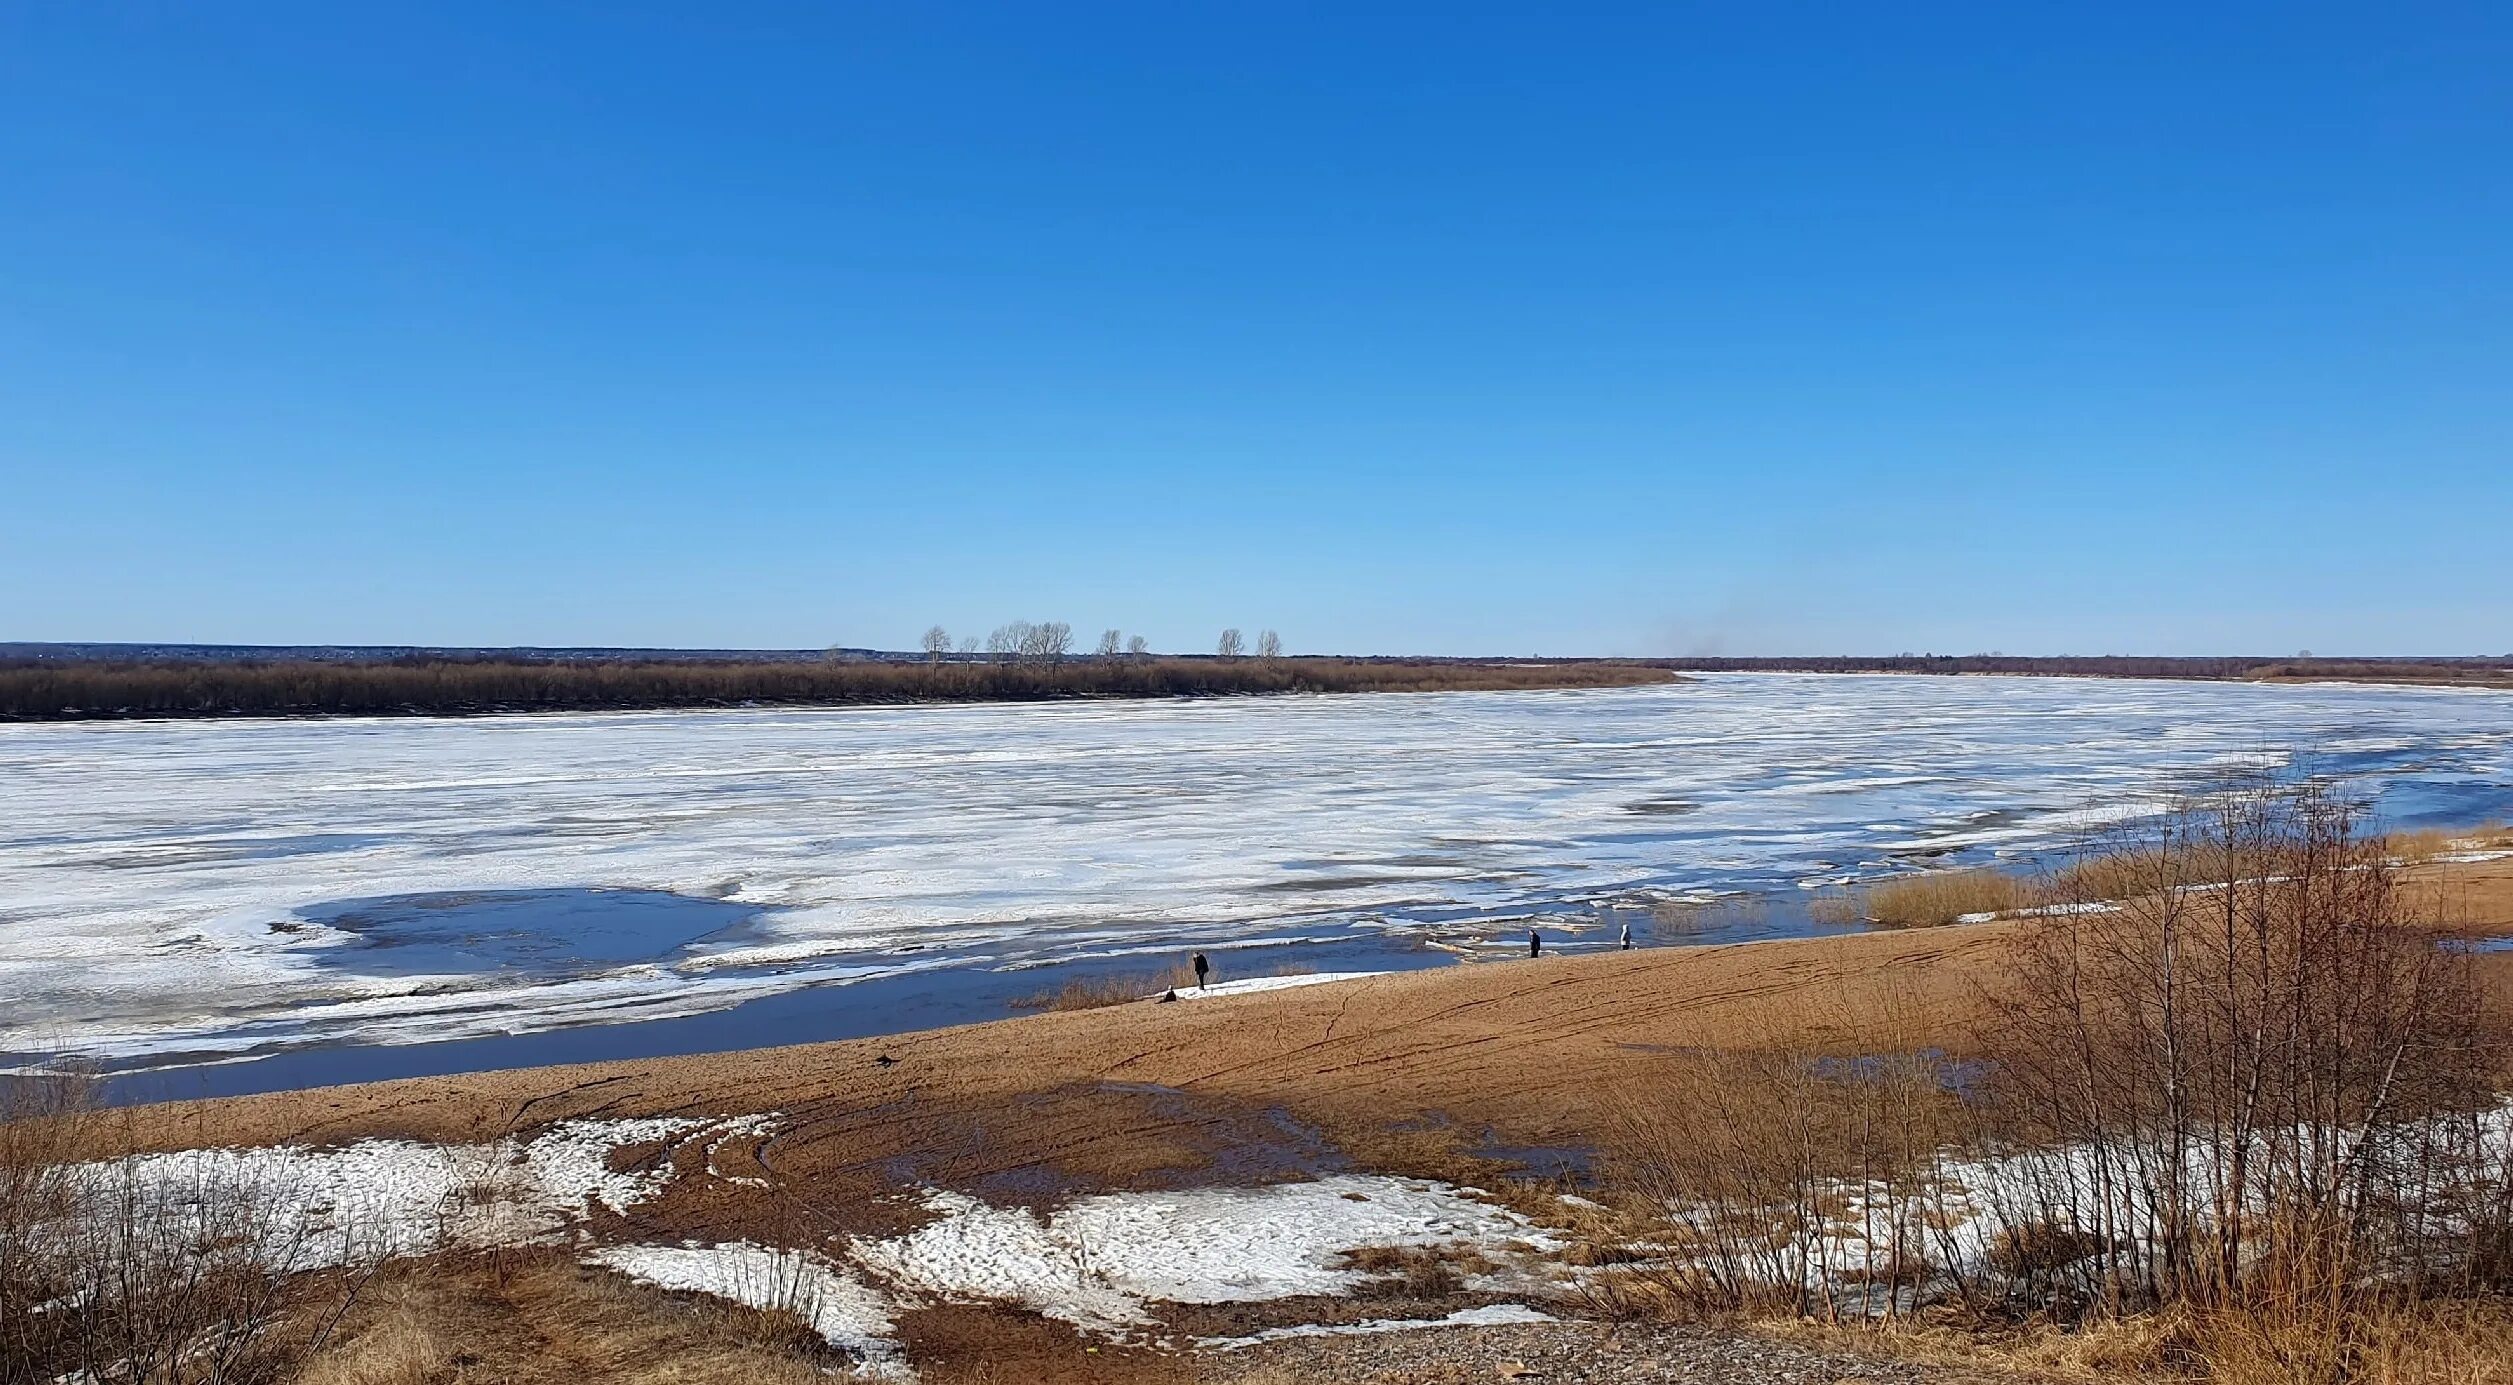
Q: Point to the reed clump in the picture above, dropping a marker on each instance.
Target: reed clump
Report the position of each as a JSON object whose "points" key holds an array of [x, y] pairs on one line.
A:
{"points": [[1934, 898], [1097, 992]]}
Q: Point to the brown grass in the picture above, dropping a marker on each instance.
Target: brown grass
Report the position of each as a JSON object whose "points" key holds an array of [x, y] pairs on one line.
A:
{"points": [[1935, 898], [1424, 1272], [2422, 845], [2429, 1344], [1100, 992], [400, 1347], [542, 1319]]}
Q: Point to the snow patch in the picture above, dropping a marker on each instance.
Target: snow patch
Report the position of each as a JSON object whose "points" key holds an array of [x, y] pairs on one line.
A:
{"points": [[1254, 984], [376, 1199], [847, 1313], [1098, 1261]]}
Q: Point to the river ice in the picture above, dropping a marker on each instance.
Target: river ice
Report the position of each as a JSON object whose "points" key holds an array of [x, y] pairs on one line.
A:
{"points": [[186, 889]]}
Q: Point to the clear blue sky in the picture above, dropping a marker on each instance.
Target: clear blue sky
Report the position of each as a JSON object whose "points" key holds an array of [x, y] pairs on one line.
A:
{"points": [[1660, 329]]}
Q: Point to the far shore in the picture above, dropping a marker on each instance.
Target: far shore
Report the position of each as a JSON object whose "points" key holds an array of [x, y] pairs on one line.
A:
{"points": [[52, 683], [427, 686]]}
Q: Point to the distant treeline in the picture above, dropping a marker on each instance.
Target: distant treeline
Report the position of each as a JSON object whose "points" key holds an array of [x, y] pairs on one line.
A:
{"points": [[2479, 672], [55, 691]]}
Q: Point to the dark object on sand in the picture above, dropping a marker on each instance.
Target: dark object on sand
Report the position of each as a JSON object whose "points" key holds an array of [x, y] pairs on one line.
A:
{"points": [[1535, 943], [1169, 997], [884, 1061], [1202, 970]]}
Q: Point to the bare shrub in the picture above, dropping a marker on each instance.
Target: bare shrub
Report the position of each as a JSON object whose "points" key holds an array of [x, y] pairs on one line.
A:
{"points": [[2259, 1080], [185, 1269], [2230, 1087], [1789, 1183]]}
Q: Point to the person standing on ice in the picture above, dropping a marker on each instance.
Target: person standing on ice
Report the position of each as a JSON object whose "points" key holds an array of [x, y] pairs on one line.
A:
{"points": [[1627, 937], [1202, 969]]}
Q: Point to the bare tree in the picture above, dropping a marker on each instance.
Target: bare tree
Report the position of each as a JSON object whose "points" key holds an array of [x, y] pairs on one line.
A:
{"points": [[1043, 644], [1109, 643], [1138, 646], [937, 642], [1005, 641], [1269, 645], [1228, 646], [968, 644]]}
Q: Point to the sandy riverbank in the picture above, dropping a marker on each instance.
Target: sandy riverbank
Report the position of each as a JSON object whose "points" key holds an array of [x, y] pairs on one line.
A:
{"points": [[949, 1177], [1392, 1070]]}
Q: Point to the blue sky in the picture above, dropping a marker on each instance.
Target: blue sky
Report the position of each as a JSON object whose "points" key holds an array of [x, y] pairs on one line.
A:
{"points": [[1649, 330]]}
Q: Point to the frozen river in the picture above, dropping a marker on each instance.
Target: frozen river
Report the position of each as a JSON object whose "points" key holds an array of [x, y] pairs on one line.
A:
{"points": [[180, 891]]}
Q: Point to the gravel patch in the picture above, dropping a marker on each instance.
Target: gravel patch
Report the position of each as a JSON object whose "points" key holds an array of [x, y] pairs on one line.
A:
{"points": [[1565, 1353]]}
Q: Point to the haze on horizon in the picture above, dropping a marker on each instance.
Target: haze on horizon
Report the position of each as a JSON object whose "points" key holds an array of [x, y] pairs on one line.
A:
{"points": [[1620, 330]]}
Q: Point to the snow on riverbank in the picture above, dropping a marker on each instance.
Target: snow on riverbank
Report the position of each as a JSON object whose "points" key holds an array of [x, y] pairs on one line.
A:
{"points": [[847, 1313], [375, 1199], [1102, 1263], [1255, 984], [1098, 1261]]}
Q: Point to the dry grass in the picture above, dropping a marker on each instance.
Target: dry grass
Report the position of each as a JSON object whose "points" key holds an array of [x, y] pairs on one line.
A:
{"points": [[1100, 992], [2120, 871], [1839, 908], [1939, 897], [401, 1347], [541, 1319], [1685, 916], [2432, 1344], [2420, 845], [1424, 1272]]}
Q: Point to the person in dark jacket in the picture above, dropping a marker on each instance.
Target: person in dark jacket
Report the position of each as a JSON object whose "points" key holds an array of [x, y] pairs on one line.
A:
{"points": [[1535, 943], [1202, 970]]}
